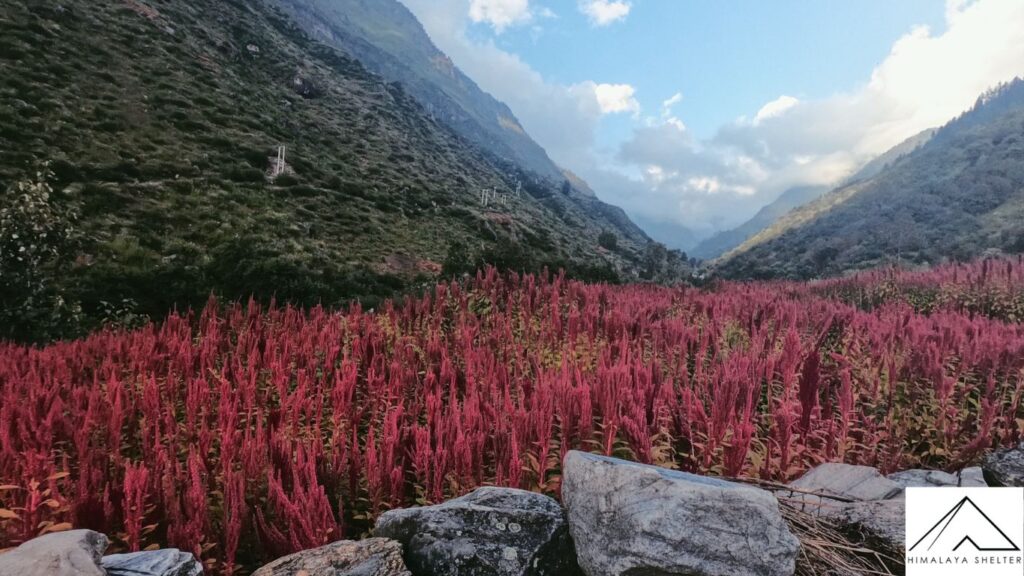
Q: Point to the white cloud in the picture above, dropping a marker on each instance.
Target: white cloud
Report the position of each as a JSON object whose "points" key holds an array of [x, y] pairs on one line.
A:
{"points": [[616, 98], [500, 13], [712, 185], [775, 108], [605, 12], [676, 98]]}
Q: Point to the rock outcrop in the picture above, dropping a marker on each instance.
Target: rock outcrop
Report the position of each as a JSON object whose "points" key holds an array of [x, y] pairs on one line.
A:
{"points": [[1005, 467], [489, 532], [80, 553], [967, 478], [870, 506], [71, 553], [371, 557], [166, 562], [629, 519], [879, 523], [848, 482]]}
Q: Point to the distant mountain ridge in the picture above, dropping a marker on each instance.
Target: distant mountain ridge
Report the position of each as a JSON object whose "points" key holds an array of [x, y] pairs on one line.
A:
{"points": [[956, 196], [726, 240], [793, 198]]}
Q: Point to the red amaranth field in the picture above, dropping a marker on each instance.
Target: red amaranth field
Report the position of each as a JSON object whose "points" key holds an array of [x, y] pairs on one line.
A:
{"points": [[246, 433]]}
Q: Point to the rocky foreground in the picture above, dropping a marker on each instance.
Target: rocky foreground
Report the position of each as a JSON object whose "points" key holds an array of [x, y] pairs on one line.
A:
{"points": [[620, 519]]}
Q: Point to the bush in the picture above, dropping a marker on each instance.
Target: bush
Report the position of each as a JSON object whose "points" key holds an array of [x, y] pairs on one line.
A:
{"points": [[245, 174], [608, 241], [286, 179]]}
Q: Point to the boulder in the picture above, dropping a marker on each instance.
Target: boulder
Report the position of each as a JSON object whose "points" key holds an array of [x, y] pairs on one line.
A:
{"points": [[630, 519], [489, 532], [973, 477], [71, 553], [1005, 467], [848, 482], [878, 523], [966, 478], [166, 562], [306, 87], [371, 557]]}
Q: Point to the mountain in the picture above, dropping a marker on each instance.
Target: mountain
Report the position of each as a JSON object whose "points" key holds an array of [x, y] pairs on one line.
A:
{"points": [[725, 241], [958, 196], [793, 198], [160, 123], [388, 39], [671, 234], [890, 157]]}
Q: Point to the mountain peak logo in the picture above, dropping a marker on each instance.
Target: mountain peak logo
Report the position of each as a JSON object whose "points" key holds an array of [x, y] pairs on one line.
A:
{"points": [[957, 531], [966, 524]]}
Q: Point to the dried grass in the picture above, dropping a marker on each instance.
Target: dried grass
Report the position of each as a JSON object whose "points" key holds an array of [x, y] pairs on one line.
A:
{"points": [[825, 550]]}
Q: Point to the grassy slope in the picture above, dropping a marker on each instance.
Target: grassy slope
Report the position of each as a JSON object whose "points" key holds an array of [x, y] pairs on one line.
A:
{"points": [[386, 37], [161, 118]]}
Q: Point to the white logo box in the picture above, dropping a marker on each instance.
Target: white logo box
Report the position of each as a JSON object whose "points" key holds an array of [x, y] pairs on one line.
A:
{"points": [[960, 531]]}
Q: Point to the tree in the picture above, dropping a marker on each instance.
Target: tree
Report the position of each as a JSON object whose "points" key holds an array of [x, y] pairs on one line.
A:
{"points": [[664, 266], [457, 261], [608, 240], [36, 239]]}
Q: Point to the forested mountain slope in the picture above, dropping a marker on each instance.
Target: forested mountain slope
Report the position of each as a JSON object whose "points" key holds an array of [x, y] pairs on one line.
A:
{"points": [[388, 39], [956, 197]]}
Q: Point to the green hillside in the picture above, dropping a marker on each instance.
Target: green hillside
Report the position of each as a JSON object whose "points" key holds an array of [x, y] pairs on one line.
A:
{"points": [[958, 196], [156, 125]]}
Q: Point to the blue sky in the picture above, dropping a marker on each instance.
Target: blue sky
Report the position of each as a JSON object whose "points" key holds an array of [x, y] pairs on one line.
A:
{"points": [[726, 58], [771, 94]]}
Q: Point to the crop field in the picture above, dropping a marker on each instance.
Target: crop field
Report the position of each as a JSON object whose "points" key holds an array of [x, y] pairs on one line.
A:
{"points": [[242, 433]]}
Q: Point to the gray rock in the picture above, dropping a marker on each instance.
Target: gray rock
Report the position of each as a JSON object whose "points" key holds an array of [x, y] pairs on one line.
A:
{"points": [[879, 523], [973, 477], [630, 519], [371, 557], [1004, 467], [489, 532], [967, 478], [848, 481], [166, 562], [71, 553]]}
